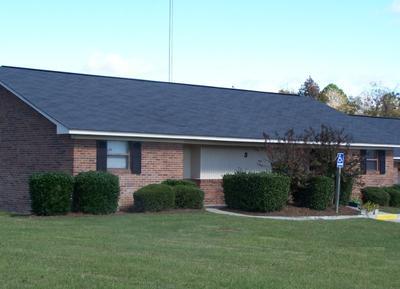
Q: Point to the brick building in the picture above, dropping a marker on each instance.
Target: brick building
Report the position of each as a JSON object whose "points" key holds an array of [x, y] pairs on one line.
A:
{"points": [[147, 131]]}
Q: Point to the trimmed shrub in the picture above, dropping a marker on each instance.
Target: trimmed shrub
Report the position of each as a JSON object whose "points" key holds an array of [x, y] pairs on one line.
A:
{"points": [[346, 188], [394, 193], [51, 193], [264, 192], [300, 193], [375, 195], [153, 198], [96, 193], [320, 192], [174, 183], [188, 197]]}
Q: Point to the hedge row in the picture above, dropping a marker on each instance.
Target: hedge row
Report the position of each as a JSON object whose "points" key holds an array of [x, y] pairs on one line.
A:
{"points": [[264, 192], [96, 193], [394, 193], [267, 192], [168, 195], [153, 198], [173, 183], [317, 193], [382, 196], [320, 192], [89, 192], [51, 193], [188, 197]]}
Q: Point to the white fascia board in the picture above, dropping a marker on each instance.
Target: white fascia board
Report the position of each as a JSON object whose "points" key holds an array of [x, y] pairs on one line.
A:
{"points": [[204, 138], [163, 136], [371, 145], [61, 129]]}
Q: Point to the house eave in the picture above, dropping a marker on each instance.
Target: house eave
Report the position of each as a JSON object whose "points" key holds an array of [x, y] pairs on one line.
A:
{"points": [[207, 139]]}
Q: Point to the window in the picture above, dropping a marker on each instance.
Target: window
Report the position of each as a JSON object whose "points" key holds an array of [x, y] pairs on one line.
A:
{"points": [[372, 160], [117, 155]]}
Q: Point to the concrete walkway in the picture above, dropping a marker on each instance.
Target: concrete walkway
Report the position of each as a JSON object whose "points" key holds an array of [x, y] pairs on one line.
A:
{"points": [[308, 218], [381, 216]]}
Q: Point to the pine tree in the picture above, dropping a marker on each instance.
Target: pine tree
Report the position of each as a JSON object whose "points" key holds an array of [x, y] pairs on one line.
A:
{"points": [[310, 89]]}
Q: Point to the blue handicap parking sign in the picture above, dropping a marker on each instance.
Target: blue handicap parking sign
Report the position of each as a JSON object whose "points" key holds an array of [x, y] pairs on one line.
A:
{"points": [[340, 160]]}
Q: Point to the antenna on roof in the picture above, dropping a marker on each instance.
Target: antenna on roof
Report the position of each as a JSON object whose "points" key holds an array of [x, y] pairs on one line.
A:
{"points": [[170, 39]]}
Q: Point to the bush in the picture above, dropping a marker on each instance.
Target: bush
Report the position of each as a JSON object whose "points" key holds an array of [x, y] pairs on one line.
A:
{"points": [[264, 192], [155, 197], [174, 183], [346, 189], [320, 191], [188, 197], [51, 193], [394, 193], [96, 193], [375, 195]]}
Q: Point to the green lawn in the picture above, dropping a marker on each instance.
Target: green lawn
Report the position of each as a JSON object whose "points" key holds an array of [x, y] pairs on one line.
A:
{"points": [[196, 250]]}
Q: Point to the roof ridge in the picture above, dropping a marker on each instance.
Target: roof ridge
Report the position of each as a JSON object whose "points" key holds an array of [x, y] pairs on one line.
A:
{"points": [[146, 80]]}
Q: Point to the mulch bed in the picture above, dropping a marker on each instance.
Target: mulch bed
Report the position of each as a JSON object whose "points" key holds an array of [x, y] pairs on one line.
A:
{"points": [[294, 211]]}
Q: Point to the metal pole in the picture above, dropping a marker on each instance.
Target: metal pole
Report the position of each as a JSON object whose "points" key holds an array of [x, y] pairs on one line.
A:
{"points": [[338, 173], [170, 39]]}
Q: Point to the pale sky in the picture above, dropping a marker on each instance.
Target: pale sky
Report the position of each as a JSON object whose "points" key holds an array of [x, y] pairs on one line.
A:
{"points": [[254, 44]]}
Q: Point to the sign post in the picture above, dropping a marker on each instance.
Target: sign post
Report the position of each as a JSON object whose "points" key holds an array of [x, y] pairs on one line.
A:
{"points": [[339, 166]]}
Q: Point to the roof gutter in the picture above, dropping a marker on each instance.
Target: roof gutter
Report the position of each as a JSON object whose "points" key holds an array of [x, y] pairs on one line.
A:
{"points": [[205, 138]]}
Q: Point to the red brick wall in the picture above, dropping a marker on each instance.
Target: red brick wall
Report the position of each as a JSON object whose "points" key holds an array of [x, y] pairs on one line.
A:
{"points": [[214, 193], [84, 155], [160, 161], [28, 144], [376, 179]]}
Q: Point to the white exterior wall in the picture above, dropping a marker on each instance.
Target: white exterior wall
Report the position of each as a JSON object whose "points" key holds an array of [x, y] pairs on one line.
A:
{"points": [[212, 162], [187, 162], [195, 162]]}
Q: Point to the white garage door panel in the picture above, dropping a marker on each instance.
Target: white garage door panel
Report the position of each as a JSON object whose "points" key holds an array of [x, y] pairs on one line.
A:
{"points": [[217, 161]]}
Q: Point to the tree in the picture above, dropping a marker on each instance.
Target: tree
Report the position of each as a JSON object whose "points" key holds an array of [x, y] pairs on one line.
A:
{"points": [[390, 105], [353, 106], [310, 89], [286, 91], [381, 101], [334, 96], [311, 153]]}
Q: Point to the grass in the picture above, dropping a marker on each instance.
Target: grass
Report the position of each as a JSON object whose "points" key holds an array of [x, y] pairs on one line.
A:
{"points": [[391, 210], [196, 250]]}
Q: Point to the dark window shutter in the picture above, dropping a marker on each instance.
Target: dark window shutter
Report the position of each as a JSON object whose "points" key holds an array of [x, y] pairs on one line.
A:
{"points": [[101, 155], [136, 157], [363, 160], [382, 162]]}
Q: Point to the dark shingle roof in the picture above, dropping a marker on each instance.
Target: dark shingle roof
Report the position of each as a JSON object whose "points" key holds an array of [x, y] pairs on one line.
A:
{"points": [[382, 129], [396, 153], [89, 102]]}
